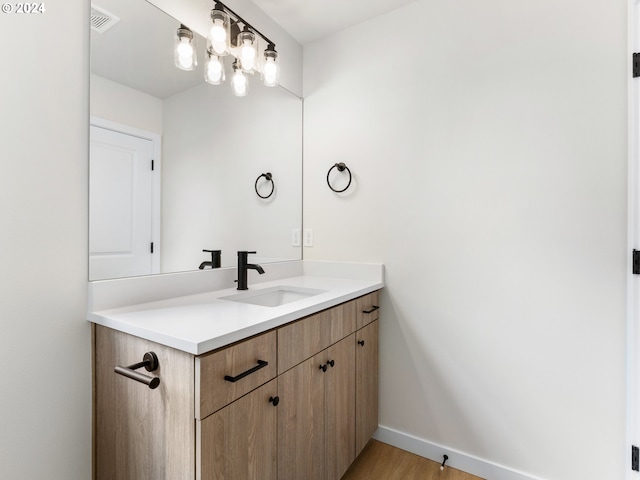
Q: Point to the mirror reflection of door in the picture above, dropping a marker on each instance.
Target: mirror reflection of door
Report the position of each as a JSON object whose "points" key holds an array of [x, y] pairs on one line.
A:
{"points": [[121, 204]]}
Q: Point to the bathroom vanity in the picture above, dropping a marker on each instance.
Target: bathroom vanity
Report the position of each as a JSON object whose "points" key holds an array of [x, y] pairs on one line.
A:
{"points": [[296, 400]]}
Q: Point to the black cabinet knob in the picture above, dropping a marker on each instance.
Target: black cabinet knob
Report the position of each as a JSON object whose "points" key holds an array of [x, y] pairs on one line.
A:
{"points": [[323, 367], [274, 400], [361, 343], [331, 362]]}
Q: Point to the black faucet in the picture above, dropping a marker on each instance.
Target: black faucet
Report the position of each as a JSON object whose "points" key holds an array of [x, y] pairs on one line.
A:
{"points": [[215, 259], [243, 266]]}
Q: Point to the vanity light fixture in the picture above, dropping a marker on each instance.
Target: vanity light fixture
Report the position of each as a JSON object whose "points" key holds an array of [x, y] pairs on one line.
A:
{"points": [[184, 52], [270, 68], [239, 81], [218, 40], [214, 69], [248, 52], [225, 37]]}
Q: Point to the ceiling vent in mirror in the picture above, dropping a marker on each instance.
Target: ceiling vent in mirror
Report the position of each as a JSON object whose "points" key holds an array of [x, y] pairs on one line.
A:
{"points": [[101, 20]]}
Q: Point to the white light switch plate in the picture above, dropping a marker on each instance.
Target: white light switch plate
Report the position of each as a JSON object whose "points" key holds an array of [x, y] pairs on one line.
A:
{"points": [[295, 237], [308, 237]]}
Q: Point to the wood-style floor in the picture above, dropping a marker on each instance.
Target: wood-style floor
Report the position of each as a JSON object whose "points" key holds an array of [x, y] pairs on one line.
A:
{"points": [[379, 461]]}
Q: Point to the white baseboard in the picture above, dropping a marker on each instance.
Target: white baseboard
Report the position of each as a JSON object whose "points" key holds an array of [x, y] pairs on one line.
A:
{"points": [[458, 460]]}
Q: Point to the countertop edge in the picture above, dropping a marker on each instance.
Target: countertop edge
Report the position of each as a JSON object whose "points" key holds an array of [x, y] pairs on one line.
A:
{"points": [[242, 334], [201, 347]]}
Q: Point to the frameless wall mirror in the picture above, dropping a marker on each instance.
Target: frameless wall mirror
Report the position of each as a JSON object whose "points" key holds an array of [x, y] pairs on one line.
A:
{"points": [[174, 160]]}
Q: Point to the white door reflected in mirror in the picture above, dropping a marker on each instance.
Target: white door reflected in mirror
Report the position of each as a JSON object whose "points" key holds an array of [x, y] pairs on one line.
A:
{"points": [[120, 204]]}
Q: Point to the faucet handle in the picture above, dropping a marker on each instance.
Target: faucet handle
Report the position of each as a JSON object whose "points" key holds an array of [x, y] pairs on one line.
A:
{"points": [[244, 252], [216, 257]]}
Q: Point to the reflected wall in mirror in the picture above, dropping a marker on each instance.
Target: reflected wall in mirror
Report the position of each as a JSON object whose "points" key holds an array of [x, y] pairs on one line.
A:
{"points": [[208, 148]]}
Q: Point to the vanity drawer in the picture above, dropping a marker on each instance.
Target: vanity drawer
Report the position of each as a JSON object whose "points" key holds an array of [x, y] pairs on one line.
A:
{"points": [[367, 309], [227, 374], [300, 340]]}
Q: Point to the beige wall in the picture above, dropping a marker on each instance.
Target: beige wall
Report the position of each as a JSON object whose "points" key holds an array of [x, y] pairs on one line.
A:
{"points": [[488, 144], [45, 362]]}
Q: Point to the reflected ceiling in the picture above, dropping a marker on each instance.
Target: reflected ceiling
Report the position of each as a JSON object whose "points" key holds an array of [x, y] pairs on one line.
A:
{"points": [[146, 35]]}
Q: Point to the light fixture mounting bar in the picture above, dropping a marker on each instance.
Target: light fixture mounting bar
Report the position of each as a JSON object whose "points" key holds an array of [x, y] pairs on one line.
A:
{"points": [[239, 19]]}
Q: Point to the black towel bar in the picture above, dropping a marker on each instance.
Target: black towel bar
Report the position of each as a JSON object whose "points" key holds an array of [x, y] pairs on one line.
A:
{"points": [[149, 362]]}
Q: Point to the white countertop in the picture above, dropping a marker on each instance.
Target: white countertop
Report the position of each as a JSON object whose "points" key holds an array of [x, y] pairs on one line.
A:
{"points": [[203, 322]]}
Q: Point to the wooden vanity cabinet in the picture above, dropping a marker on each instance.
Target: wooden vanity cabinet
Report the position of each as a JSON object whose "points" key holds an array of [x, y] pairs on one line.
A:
{"points": [[142, 434], [236, 419], [316, 426], [367, 314], [304, 415], [340, 405], [301, 417], [240, 440], [366, 384]]}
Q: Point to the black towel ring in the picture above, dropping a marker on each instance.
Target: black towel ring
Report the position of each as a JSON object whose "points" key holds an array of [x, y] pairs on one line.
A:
{"points": [[341, 168], [269, 178]]}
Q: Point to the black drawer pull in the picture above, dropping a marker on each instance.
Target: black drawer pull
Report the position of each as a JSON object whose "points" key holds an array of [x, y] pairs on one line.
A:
{"points": [[323, 367], [372, 309], [149, 362], [274, 400], [361, 343], [261, 364], [331, 362]]}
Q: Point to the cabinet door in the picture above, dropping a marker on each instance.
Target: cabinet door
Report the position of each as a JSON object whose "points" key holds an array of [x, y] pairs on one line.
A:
{"points": [[366, 384], [340, 407], [143, 434], [301, 422], [239, 441]]}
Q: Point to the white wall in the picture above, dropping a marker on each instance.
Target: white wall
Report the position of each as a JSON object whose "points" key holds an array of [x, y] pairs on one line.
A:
{"points": [[122, 104], [45, 362], [488, 143], [215, 146]]}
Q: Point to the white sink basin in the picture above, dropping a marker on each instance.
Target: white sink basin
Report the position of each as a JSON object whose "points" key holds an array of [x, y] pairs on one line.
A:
{"points": [[274, 296]]}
